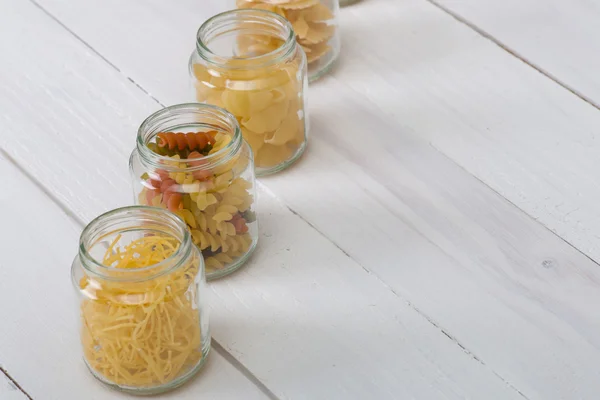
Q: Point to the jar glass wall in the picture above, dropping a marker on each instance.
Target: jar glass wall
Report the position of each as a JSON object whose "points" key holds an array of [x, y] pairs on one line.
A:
{"points": [[315, 23], [142, 300], [248, 62], [191, 159]]}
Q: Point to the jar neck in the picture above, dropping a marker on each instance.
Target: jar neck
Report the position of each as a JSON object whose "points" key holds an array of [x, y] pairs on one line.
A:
{"points": [[216, 38], [130, 223], [186, 118]]}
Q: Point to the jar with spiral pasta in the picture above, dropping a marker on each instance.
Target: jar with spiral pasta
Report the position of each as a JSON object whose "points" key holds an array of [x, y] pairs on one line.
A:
{"points": [[248, 62], [191, 159], [315, 23], [142, 300]]}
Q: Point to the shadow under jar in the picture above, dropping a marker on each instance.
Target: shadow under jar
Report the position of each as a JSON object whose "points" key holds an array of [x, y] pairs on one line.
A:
{"points": [[315, 24], [143, 310], [191, 159], [248, 62]]}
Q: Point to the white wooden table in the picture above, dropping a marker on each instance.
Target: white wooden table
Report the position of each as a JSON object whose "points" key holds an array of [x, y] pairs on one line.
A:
{"points": [[440, 238]]}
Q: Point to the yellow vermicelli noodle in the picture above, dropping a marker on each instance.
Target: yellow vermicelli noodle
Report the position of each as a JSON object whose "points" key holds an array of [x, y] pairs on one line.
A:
{"points": [[143, 333]]}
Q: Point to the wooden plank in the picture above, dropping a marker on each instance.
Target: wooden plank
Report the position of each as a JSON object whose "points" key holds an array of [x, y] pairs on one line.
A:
{"points": [[557, 37], [500, 259], [511, 313], [520, 289], [9, 389], [301, 312], [39, 341], [322, 333], [515, 130], [331, 324], [527, 138]]}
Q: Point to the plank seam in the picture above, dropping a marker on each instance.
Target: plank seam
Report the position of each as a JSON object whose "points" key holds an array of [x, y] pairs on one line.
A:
{"points": [[72, 216], [218, 347], [243, 370], [514, 53], [453, 339], [93, 50], [215, 344], [526, 214], [15, 383]]}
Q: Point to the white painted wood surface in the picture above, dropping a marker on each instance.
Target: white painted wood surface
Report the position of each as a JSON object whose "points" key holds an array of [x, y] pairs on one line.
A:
{"points": [[552, 35], [516, 130], [519, 132], [39, 335], [288, 318], [385, 270], [8, 389]]}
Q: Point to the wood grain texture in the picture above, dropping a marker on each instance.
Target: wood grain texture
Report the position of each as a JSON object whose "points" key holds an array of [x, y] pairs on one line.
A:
{"points": [[501, 284], [302, 311], [529, 139], [513, 128], [345, 332], [553, 35], [39, 335], [526, 137], [490, 279], [8, 389]]}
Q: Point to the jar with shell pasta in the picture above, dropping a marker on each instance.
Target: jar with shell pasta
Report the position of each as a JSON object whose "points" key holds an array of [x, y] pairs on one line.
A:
{"points": [[142, 300], [315, 23], [192, 160], [248, 62]]}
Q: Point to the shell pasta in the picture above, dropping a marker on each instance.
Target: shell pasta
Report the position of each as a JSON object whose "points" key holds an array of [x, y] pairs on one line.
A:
{"points": [[269, 108], [314, 23], [259, 76]]}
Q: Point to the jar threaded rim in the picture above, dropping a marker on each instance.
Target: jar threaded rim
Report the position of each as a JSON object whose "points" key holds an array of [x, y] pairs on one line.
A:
{"points": [[215, 24]]}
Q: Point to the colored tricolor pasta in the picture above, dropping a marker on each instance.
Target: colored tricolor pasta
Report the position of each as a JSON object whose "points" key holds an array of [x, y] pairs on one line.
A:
{"points": [[214, 203], [191, 160]]}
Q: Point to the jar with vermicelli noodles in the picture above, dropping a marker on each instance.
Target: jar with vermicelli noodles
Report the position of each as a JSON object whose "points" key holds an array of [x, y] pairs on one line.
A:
{"points": [[191, 159], [315, 23], [142, 300], [248, 62]]}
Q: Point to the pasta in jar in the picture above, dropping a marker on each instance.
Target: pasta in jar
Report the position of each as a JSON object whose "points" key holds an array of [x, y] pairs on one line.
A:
{"points": [[260, 78], [315, 26], [141, 283], [205, 174]]}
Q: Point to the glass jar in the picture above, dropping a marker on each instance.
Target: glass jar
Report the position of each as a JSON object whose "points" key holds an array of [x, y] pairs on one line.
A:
{"points": [[315, 23], [142, 300], [248, 62], [192, 160]]}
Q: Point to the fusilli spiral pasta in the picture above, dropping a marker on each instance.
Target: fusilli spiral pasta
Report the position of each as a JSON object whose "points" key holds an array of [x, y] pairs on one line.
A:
{"points": [[214, 202], [181, 141]]}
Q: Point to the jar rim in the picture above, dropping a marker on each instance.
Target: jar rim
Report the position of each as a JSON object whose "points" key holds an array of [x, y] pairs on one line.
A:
{"points": [[255, 15], [210, 161], [92, 265]]}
